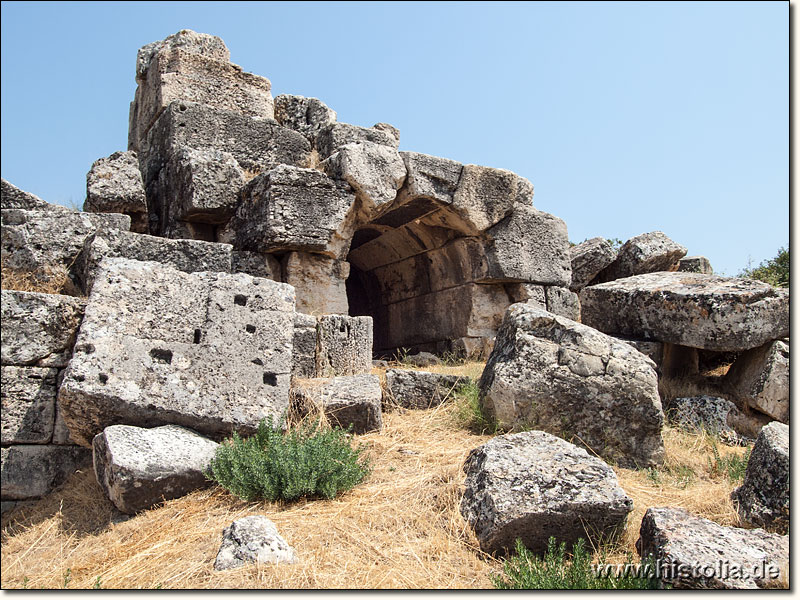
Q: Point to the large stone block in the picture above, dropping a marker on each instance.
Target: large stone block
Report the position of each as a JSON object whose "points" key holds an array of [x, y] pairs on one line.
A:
{"points": [[28, 397], [344, 345], [13, 197], [760, 379], [557, 375], [431, 177], [347, 401], [563, 302], [531, 246], [695, 264], [319, 282], [30, 471], [39, 329], [695, 553], [188, 256], [375, 171], [203, 44], [421, 389], [114, 185], [304, 349], [209, 351], [138, 468], [701, 414], [763, 498], [589, 258], [289, 208], [689, 309], [646, 253], [307, 116], [532, 486], [334, 136], [485, 196], [257, 264]]}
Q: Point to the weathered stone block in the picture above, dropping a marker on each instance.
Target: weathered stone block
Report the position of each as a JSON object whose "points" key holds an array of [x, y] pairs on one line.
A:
{"points": [[562, 377], [646, 253], [760, 378], [420, 389], [28, 397], [532, 486], [307, 116], [529, 293], [690, 309], [344, 345], [39, 329], [289, 208], [705, 413], [763, 498], [114, 185], [589, 258], [347, 401], [138, 468], [252, 539], [13, 197], [257, 264], [563, 302], [431, 177], [374, 171], [485, 196], [33, 471], [304, 349], [319, 282], [61, 434], [210, 351], [652, 350], [695, 264], [336, 135], [695, 553]]}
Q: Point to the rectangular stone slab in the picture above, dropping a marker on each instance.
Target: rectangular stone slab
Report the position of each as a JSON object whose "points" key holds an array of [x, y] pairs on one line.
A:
{"points": [[28, 396]]}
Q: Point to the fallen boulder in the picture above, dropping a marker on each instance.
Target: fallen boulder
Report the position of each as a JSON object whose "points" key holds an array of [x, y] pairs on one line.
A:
{"points": [[420, 389], [252, 539], [347, 401], [763, 497], [695, 553], [587, 260], [307, 116], [695, 264], [646, 253], [760, 379], [138, 468], [114, 185], [689, 309], [534, 486], [554, 374], [705, 413]]}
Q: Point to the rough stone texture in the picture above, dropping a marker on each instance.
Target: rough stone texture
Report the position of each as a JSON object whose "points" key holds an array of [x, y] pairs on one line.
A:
{"points": [[252, 539], [530, 293], [705, 413], [30, 471], [690, 309], [696, 553], [350, 400], [319, 282], [388, 128], [138, 468], [257, 264], [760, 379], [763, 498], [114, 185], [646, 253], [304, 348], [209, 351], [289, 208], [188, 256], [28, 396], [485, 196], [652, 350], [421, 359], [13, 197], [61, 434], [37, 241], [344, 345], [563, 302], [560, 376], [193, 67], [374, 171], [431, 177], [421, 389], [336, 135], [532, 486], [530, 246], [589, 258], [307, 116], [695, 264], [39, 329]]}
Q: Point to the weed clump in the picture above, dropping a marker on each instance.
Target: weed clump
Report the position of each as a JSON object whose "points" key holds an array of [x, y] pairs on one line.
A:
{"points": [[306, 461], [469, 413], [731, 466]]}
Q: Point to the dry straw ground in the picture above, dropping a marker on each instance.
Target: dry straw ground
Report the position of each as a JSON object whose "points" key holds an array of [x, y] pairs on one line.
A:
{"points": [[401, 528]]}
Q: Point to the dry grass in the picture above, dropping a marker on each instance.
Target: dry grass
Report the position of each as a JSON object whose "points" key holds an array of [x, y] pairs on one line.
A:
{"points": [[401, 528], [53, 280]]}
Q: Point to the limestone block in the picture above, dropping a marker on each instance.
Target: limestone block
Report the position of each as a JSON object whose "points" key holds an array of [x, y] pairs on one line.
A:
{"points": [[336, 135], [485, 196], [690, 551], [589, 258], [346, 401], [695, 264], [252, 539], [532, 486], [652, 350], [760, 378], [705, 413], [28, 397], [138, 468], [39, 329], [307, 116], [304, 348], [289, 208], [13, 197], [257, 264], [344, 345], [61, 434], [209, 351], [646, 253], [203, 44], [431, 177], [375, 171], [31, 471], [421, 389], [529, 293], [114, 185], [563, 302], [690, 309], [559, 376], [319, 282]]}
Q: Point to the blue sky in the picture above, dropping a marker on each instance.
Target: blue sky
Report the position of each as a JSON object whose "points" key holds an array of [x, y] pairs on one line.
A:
{"points": [[627, 117]]}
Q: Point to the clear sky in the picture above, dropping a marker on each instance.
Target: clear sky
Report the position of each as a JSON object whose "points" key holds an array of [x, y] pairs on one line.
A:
{"points": [[627, 117]]}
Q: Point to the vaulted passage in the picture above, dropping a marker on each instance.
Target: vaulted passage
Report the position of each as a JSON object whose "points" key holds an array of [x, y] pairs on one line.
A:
{"points": [[422, 280]]}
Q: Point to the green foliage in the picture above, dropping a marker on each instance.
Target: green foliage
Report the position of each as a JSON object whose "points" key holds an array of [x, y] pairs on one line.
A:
{"points": [[732, 466], [97, 584], [67, 578], [556, 571], [469, 412], [616, 243], [306, 461], [774, 271]]}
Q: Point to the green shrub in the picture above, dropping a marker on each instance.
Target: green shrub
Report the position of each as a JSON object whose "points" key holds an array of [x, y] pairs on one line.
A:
{"points": [[774, 271], [469, 412], [306, 461], [554, 571]]}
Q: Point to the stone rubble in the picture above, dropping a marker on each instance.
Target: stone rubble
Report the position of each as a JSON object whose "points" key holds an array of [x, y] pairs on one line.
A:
{"points": [[253, 539]]}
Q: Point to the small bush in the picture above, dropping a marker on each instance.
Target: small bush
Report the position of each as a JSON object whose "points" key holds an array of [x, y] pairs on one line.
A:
{"points": [[306, 461], [555, 572], [731, 466], [774, 271], [469, 413]]}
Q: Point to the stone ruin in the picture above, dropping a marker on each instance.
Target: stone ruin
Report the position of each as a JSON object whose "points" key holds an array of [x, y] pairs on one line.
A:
{"points": [[250, 255]]}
